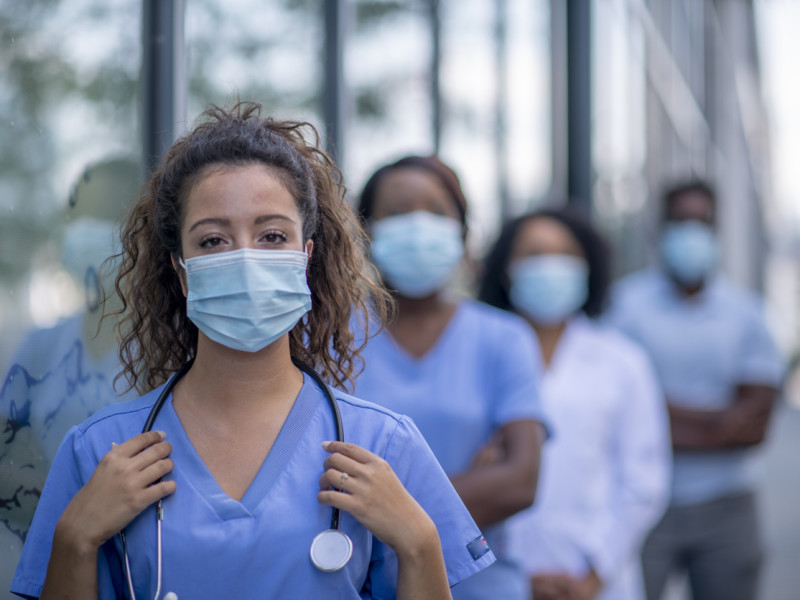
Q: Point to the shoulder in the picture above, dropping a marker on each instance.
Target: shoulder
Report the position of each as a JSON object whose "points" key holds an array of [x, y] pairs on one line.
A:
{"points": [[637, 284], [130, 410], [737, 296], [365, 409], [607, 342], [115, 423], [495, 321]]}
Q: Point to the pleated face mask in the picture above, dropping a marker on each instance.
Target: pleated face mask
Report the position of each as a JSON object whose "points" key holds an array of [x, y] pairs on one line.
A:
{"points": [[689, 251], [246, 299], [549, 288], [417, 252]]}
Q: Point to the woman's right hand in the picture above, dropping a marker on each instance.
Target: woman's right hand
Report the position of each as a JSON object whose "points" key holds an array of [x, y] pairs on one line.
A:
{"points": [[124, 483]]}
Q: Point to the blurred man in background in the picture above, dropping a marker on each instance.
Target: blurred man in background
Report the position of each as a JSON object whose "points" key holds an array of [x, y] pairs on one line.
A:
{"points": [[720, 371]]}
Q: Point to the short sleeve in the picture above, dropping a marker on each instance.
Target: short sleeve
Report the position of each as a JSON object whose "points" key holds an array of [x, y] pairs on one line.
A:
{"points": [[465, 552], [515, 369], [72, 468], [761, 362]]}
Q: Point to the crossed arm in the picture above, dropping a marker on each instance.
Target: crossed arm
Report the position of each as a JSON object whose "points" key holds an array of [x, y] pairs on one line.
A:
{"points": [[502, 479], [742, 424]]}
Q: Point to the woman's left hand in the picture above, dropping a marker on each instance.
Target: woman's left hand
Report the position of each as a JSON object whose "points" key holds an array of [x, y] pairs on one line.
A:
{"points": [[367, 488]]}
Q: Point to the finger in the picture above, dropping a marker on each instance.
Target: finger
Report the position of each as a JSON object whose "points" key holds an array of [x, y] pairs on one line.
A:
{"points": [[151, 454], [345, 502], [333, 478], [357, 453], [137, 443], [157, 491], [154, 472], [345, 464]]}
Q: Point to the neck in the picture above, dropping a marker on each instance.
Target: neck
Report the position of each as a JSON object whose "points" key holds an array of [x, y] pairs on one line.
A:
{"points": [[688, 290], [549, 336], [416, 307], [223, 379]]}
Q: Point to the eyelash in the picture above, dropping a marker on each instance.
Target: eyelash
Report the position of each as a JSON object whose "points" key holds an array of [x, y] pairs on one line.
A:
{"points": [[272, 234], [211, 241]]}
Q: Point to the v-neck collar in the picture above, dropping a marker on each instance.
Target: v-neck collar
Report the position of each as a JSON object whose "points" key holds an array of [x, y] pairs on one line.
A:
{"points": [[576, 326], [196, 471], [440, 342]]}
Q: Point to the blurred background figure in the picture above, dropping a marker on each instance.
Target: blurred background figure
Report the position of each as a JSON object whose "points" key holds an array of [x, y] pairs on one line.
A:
{"points": [[597, 101], [462, 370], [605, 473], [60, 375], [720, 372]]}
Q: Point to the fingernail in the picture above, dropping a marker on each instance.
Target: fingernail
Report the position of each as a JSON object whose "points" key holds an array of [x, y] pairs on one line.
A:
{"points": [[162, 434], [326, 445]]}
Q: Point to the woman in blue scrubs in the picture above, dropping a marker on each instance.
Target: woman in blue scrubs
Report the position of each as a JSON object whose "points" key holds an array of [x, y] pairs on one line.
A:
{"points": [[604, 475], [464, 371], [242, 255]]}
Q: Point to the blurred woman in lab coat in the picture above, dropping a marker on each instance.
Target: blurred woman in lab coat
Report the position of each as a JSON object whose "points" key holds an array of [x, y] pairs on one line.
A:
{"points": [[604, 475]]}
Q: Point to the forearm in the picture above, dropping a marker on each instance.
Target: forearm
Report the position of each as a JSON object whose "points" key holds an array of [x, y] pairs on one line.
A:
{"points": [[693, 429], [495, 492], [740, 425], [72, 569], [421, 572]]}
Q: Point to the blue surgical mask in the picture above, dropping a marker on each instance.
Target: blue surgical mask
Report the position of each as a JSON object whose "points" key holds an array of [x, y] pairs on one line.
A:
{"points": [[246, 299], [549, 288], [689, 251], [86, 244], [417, 252]]}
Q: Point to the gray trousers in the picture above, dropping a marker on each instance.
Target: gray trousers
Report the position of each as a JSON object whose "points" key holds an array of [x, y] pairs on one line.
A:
{"points": [[717, 544]]}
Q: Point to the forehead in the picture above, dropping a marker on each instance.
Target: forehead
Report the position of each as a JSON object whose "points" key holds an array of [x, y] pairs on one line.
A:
{"points": [[239, 188], [545, 234], [410, 180], [692, 204]]}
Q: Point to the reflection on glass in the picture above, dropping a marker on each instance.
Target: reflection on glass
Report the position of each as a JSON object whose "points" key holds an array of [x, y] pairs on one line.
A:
{"points": [[60, 375]]}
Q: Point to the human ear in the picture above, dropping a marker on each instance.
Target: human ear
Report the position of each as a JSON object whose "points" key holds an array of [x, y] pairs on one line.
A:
{"points": [[309, 249], [181, 272]]}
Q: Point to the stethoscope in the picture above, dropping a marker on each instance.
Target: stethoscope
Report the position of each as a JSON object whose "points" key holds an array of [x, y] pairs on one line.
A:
{"points": [[330, 550]]}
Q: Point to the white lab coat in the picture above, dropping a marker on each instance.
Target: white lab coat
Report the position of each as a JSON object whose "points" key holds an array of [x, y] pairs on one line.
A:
{"points": [[604, 475]]}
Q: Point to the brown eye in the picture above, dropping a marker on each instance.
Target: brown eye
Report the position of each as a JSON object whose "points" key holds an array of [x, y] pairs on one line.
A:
{"points": [[210, 242], [274, 237]]}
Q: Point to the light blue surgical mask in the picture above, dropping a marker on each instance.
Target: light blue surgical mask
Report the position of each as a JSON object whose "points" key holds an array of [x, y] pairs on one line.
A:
{"points": [[689, 251], [246, 299], [549, 288], [417, 252], [86, 244]]}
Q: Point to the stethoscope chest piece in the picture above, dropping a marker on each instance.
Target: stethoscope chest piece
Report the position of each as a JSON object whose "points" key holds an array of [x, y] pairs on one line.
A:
{"points": [[331, 550]]}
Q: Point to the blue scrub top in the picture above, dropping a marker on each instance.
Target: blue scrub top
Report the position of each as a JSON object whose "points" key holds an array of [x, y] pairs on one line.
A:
{"points": [[702, 348], [217, 547], [481, 374]]}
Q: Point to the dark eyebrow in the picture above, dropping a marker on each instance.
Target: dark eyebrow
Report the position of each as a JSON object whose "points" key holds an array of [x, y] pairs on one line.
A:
{"points": [[226, 222], [265, 218], [209, 221]]}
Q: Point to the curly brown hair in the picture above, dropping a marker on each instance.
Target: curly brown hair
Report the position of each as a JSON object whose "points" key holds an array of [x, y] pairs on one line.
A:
{"points": [[156, 335]]}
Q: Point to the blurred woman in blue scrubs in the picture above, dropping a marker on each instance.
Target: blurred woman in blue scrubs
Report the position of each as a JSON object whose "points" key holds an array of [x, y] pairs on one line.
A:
{"points": [[604, 474], [464, 371], [240, 258]]}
